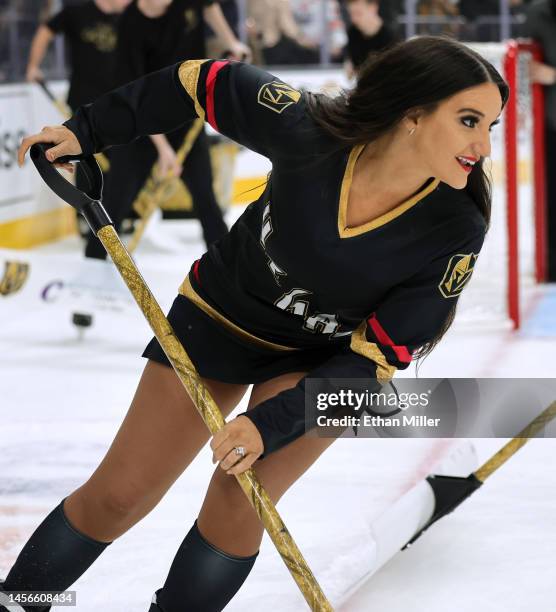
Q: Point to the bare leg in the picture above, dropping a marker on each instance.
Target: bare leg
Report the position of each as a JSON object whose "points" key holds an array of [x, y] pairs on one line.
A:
{"points": [[159, 437], [220, 550], [227, 520]]}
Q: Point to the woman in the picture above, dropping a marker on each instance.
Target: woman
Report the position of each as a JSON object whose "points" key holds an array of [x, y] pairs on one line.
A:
{"points": [[347, 266]]}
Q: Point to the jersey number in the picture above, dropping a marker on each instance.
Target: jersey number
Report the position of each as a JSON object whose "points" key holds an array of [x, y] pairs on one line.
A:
{"points": [[295, 301]]}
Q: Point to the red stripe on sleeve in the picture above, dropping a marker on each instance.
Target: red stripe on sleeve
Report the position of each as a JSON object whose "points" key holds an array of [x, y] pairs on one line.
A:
{"points": [[402, 352], [196, 271], [211, 84]]}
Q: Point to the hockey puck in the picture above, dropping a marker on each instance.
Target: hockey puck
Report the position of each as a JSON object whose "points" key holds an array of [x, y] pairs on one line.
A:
{"points": [[80, 319]]}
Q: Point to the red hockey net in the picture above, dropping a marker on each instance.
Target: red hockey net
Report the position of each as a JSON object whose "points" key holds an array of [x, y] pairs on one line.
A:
{"points": [[513, 259]]}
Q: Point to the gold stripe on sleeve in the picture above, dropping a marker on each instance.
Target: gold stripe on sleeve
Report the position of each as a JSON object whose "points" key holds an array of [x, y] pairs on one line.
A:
{"points": [[187, 291], [361, 346], [188, 73]]}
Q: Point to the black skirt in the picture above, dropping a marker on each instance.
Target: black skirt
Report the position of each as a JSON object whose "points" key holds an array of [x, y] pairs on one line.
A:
{"points": [[222, 353]]}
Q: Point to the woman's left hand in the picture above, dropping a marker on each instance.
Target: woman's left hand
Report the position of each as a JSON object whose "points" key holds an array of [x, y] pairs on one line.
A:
{"points": [[240, 52], [239, 433]]}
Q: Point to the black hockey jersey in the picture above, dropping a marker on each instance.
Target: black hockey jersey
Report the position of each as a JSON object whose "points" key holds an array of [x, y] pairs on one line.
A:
{"points": [[290, 272]]}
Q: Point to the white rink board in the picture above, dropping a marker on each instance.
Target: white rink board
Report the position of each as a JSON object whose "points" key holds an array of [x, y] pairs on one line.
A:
{"points": [[15, 116], [24, 110]]}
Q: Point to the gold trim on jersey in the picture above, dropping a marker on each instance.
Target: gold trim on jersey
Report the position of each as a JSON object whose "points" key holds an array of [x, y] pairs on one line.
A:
{"points": [[187, 291], [188, 74], [361, 346], [348, 232]]}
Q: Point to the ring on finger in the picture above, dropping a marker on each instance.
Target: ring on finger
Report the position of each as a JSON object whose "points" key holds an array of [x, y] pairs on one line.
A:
{"points": [[240, 451]]}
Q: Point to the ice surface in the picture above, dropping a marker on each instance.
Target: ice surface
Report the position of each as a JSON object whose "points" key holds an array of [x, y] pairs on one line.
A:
{"points": [[62, 400]]}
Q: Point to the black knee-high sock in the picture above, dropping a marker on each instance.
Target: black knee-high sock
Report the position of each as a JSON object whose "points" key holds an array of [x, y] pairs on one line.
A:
{"points": [[55, 556], [202, 578]]}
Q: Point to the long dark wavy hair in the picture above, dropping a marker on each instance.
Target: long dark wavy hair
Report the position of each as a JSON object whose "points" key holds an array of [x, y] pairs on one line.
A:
{"points": [[416, 75]]}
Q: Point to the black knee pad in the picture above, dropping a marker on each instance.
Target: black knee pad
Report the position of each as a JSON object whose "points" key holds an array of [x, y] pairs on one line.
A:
{"points": [[202, 577], [4, 599], [55, 556]]}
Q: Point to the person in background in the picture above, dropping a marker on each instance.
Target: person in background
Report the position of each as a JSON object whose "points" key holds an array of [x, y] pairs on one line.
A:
{"points": [[90, 30], [390, 10], [278, 37], [541, 24], [91, 34], [483, 16], [438, 9], [309, 16], [368, 33], [18, 22], [154, 34], [216, 48]]}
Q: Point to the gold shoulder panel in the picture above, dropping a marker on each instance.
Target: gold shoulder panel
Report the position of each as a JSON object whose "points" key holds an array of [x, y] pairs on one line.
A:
{"points": [[361, 346], [188, 73]]}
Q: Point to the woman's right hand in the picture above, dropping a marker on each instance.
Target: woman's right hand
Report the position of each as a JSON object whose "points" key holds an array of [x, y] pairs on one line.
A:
{"points": [[168, 164], [65, 140], [33, 73]]}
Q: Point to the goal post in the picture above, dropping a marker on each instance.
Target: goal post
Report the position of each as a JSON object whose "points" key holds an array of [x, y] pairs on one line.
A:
{"points": [[535, 97], [513, 259]]}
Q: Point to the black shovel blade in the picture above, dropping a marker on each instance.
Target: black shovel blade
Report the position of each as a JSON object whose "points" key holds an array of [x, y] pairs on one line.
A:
{"points": [[87, 202], [80, 200]]}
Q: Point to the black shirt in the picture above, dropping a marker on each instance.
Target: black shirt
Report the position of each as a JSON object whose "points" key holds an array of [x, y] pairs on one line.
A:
{"points": [[91, 36], [150, 43], [471, 9], [360, 46], [290, 271]]}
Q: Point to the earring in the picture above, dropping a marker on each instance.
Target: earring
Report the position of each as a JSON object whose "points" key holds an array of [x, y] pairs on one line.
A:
{"points": [[412, 131]]}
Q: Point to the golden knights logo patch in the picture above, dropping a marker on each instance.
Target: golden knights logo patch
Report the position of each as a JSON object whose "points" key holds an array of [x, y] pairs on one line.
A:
{"points": [[15, 275], [191, 19], [278, 96], [102, 36], [458, 273]]}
